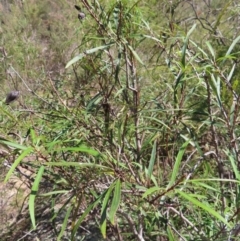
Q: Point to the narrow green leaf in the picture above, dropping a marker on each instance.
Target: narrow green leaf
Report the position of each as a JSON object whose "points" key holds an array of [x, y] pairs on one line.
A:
{"points": [[238, 201], [184, 48], [234, 166], [177, 163], [53, 193], [16, 163], [64, 225], [183, 59], [63, 207], [188, 139], [210, 49], [191, 30], [81, 148], [218, 85], [135, 54], [87, 211], [12, 144], [115, 202], [232, 112], [159, 121], [170, 234], [198, 48], [103, 221], [152, 160], [78, 164], [90, 51], [221, 14], [75, 59], [213, 180], [153, 38], [179, 79], [33, 136], [33, 194], [94, 101], [205, 186], [7, 113], [235, 41], [208, 209], [154, 180], [215, 85], [150, 191], [231, 73]]}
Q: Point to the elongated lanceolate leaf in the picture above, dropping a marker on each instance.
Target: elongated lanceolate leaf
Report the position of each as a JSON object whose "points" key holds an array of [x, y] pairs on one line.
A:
{"points": [[87, 211], [103, 221], [215, 85], [170, 234], [229, 77], [64, 225], [177, 163], [16, 162], [89, 51], [82, 148], [54, 193], [152, 160], [235, 41], [135, 54], [183, 60], [78, 164], [208, 209], [211, 49], [233, 163], [151, 190], [75, 59], [115, 202], [33, 196], [12, 144]]}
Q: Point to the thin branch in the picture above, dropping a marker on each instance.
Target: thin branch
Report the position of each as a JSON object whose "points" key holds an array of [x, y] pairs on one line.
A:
{"points": [[132, 226]]}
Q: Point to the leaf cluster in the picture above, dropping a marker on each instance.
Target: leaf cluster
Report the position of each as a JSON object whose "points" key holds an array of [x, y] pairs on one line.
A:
{"points": [[139, 134]]}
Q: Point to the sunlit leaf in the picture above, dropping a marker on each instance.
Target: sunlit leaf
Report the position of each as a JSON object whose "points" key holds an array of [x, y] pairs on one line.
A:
{"points": [[184, 48], [159, 121], [208, 209], [103, 221], [215, 85], [152, 160], [211, 49], [34, 190], [115, 201], [89, 51], [150, 191], [12, 144], [81, 148], [177, 163], [235, 41], [231, 73], [75, 59], [78, 164], [234, 165], [135, 54], [170, 234], [16, 162]]}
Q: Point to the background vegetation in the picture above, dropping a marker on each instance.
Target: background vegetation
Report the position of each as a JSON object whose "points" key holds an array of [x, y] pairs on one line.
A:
{"points": [[127, 124]]}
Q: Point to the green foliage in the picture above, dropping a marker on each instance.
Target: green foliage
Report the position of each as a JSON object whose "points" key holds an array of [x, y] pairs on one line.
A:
{"points": [[137, 131]]}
